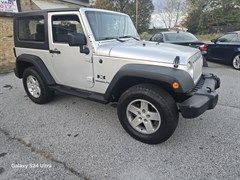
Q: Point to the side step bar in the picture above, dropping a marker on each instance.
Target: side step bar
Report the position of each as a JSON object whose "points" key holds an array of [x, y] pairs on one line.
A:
{"points": [[80, 93]]}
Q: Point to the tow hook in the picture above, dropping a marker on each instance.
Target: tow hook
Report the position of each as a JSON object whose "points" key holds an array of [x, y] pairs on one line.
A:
{"points": [[209, 89]]}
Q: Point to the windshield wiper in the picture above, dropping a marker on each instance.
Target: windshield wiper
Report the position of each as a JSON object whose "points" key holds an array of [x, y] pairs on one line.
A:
{"points": [[107, 38], [129, 37]]}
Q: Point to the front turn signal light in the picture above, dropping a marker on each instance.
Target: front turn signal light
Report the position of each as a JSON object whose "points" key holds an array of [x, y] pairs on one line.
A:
{"points": [[175, 85]]}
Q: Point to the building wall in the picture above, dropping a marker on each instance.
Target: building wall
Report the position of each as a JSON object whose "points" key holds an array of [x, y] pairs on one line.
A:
{"points": [[7, 58], [6, 42], [26, 5]]}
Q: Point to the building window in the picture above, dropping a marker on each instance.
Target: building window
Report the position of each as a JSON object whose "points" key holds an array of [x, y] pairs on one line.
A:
{"points": [[31, 29]]}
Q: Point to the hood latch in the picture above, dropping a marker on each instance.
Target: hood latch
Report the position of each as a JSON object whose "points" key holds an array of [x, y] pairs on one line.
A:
{"points": [[176, 61]]}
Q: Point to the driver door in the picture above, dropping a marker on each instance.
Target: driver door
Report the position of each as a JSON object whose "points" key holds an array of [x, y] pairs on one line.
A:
{"points": [[221, 50], [69, 66]]}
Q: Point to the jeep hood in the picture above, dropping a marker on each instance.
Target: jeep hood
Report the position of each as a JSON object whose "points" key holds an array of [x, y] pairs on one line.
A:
{"points": [[145, 50]]}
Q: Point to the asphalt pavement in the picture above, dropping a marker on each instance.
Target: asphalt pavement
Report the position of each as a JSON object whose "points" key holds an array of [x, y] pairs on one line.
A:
{"points": [[72, 138]]}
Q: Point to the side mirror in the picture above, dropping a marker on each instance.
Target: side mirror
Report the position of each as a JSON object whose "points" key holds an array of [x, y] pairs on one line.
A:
{"points": [[214, 40], [78, 39]]}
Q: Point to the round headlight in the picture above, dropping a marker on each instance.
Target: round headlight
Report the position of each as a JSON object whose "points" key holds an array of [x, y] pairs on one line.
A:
{"points": [[190, 68]]}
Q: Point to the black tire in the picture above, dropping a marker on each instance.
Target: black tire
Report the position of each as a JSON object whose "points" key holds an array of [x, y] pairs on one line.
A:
{"points": [[236, 62], [164, 104], [45, 94], [205, 64]]}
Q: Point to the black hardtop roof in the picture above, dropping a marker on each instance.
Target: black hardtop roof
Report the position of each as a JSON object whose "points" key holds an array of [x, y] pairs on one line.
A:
{"points": [[45, 11]]}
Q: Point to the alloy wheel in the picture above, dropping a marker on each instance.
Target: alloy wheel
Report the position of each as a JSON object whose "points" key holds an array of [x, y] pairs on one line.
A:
{"points": [[236, 62], [143, 116], [33, 86]]}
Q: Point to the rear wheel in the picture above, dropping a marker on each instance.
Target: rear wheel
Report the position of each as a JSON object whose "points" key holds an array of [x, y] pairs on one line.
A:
{"points": [[148, 113], [36, 89], [236, 62]]}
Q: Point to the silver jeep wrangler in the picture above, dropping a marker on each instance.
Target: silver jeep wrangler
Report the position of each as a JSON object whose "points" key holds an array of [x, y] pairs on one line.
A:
{"points": [[97, 55]]}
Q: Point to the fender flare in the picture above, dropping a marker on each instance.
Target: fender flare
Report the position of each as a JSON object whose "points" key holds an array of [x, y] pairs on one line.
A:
{"points": [[160, 74], [37, 63]]}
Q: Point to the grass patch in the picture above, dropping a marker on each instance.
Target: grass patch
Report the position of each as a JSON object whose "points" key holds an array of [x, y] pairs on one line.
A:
{"points": [[207, 37], [145, 36]]}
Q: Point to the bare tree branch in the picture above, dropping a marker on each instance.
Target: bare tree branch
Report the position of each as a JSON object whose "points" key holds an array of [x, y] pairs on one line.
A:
{"points": [[170, 12]]}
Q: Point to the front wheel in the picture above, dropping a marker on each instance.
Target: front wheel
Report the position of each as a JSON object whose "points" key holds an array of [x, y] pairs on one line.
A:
{"points": [[236, 62], [36, 89], [148, 113]]}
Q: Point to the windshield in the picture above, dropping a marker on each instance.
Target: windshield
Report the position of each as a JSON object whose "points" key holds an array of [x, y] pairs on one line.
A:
{"points": [[107, 25], [180, 37]]}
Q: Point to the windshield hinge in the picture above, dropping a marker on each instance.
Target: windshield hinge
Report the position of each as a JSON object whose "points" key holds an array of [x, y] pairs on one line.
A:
{"points": [[90, 79], [89, 59]]}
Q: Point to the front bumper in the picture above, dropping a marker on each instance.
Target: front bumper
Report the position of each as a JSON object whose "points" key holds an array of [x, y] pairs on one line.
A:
{"points": [[203, 97]]}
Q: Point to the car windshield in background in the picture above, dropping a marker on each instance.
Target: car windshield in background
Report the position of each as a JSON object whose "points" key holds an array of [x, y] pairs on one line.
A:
{"points": [[180, 37], [106, 25]]}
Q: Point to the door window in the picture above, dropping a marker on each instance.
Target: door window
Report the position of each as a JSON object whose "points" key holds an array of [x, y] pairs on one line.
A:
{"points": [[227, 38], [63, 25], [235, 39]]}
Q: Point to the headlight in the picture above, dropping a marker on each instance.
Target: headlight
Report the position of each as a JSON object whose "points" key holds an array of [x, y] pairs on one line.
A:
{"points": [[190, 68]]}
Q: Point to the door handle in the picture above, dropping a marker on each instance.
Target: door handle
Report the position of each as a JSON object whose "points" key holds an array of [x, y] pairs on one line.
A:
{"points": [[55, 51]]}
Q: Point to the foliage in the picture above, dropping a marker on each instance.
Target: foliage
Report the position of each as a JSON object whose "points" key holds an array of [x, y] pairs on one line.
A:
{"points": [[208, 37], [145, 36], [145, 9], [204, 14]]}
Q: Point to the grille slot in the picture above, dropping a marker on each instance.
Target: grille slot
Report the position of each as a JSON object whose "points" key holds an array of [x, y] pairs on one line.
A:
{"points": [[197, 67], [199, 85]]}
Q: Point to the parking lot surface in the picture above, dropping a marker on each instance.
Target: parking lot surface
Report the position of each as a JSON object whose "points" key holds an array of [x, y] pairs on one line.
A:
{"points": [[82, 139]]}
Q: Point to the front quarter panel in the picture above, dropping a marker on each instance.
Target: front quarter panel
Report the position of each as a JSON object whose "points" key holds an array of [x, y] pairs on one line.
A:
{"points": [[159, 74], [108, 68]]}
